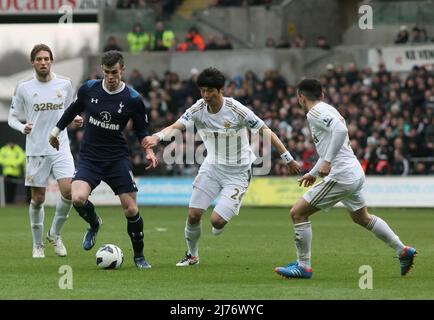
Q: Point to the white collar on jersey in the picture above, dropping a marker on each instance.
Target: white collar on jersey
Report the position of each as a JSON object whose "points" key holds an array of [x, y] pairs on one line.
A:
{"points": [[52, 75], [122, 87]]}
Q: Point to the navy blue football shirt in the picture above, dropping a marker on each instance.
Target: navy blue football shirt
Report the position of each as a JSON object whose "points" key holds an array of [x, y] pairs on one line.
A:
{"points": [[106, 115]]}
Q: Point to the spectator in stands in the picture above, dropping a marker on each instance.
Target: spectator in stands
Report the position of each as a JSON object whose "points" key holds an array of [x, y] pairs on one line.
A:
{"points": [[401, 165], [322, 43], [193, 41], [424, 35], [416, 35], [403, 35], [270, 43], [163, 38], [299, 41], [191, 89], [137, 81], [225, 44], [212, 44], [112, 44], [12, 161], [138, 39], [169, 7], [283, 43], [420, 168]]}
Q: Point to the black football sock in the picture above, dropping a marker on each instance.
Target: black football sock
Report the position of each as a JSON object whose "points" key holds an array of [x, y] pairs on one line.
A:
{"points": [[135, 231], [87, 212]]}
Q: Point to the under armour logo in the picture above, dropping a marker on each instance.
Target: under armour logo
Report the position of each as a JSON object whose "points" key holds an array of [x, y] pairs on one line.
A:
{"points": [[94, 100], [121, 105]]}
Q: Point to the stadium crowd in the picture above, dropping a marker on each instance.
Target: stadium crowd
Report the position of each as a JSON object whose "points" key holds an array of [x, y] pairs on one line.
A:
{"points": [[390, 120]]}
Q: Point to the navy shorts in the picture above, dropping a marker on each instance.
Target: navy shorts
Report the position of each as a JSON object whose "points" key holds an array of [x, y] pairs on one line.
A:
{"points": [[117, 174]]}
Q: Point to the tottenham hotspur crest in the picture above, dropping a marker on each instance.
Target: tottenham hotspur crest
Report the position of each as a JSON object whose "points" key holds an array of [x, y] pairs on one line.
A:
{"points": [[121, 105]]}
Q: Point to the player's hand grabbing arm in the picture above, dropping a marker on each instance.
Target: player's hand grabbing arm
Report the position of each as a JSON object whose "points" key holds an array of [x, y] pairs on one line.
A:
{"points": [[154, 140], [294, 167]]}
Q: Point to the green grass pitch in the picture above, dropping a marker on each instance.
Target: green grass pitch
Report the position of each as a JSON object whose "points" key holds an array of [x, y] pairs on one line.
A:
{"points": [[239, 264]]}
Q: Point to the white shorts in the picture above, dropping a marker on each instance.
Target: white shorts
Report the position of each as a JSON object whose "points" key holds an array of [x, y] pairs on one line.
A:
{"points": [[328, 192], [38, 168], [211, 182]]}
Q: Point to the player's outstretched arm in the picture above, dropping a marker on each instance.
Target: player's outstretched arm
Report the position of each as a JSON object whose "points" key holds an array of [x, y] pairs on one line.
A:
{"points": [[154, 140], [70, 114], [294, 167]]}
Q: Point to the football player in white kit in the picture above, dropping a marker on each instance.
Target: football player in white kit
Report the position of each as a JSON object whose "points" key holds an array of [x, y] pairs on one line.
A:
{"points": [[42, 100], [343, 181], [222, 123]]}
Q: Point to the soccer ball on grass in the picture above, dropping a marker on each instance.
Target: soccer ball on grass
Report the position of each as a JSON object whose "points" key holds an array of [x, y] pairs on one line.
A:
{"points": [[109, 256]]}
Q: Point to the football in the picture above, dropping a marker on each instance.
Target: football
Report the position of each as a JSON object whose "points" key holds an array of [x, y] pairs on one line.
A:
{"points": [[109, 256]]}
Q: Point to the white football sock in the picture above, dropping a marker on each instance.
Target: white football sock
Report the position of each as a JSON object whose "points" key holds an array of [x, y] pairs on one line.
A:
{"points": [[217, 232], [192, 235], [382, 230], [37, 214], [63, 207], [303, 241]]}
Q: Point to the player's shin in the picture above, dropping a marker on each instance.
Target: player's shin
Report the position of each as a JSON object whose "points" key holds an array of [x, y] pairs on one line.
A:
{"points": [[63, 207], [192, 235], [87, 212], [135, 231], [37, 214], [303, 241], [382, 231]]}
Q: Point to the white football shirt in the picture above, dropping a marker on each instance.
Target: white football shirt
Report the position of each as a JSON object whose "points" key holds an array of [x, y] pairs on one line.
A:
{"points": [[345, 167], [225, 133], [42, 104]]}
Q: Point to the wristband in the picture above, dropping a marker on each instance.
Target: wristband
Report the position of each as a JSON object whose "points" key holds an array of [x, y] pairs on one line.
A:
{"points": [[55, 132], [160, 135], [286, 156]]}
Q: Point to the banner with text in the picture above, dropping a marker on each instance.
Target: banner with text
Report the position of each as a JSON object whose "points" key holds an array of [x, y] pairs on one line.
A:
{"points": [[401, 58], [11, 7], [267, 192]]}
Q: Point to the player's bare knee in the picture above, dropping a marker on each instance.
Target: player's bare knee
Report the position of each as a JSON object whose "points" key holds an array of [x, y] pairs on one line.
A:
{"points": [[78, 200], [218, 223], [67, 194], [361, 217], [194, 215], [131, 210], [38, 200]]}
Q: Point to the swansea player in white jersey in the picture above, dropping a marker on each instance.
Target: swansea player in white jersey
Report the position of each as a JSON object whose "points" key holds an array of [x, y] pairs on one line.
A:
{"points": [[41, 100], [343, 182], [222, 123]]}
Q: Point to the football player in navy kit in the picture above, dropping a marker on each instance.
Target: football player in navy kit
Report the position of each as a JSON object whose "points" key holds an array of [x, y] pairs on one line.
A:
{"points": [[108, 105]]}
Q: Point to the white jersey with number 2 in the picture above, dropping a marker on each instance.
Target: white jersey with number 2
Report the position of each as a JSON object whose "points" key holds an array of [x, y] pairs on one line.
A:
{"points": [[225, 133]]}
